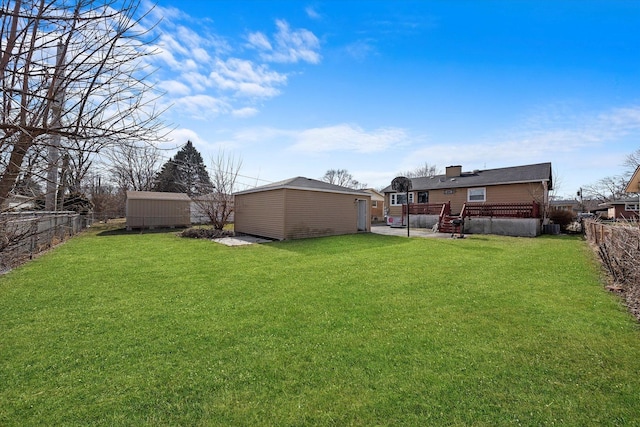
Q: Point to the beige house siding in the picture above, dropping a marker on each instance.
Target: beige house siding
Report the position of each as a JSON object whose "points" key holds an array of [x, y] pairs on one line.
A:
{"points": [[504, 193], [289, 213], [377, 212], [376, 206], [316, 213], [155, 210], [261, 214]]}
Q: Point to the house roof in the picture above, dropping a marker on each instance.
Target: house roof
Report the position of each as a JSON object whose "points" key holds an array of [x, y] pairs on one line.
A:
{"points": [[620, 202], [564, 202], [634, 183], [302, 183], [375, 194], [156, 195], [512, 175]]}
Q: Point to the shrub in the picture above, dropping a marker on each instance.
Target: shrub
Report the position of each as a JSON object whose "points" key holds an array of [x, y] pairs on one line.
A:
{"points": [[562, 217], [205, 233]]}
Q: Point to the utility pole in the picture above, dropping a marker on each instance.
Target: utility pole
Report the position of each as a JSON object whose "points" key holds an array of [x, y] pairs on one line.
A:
{"points": [[53, 151]]}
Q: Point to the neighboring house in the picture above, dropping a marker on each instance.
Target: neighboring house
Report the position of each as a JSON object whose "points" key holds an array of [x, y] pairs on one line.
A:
{"points": [[17, 202], [624, 209], [569, 205], [520, 192], [377, 205], [627, 208], [299, 208], [150, 209]]}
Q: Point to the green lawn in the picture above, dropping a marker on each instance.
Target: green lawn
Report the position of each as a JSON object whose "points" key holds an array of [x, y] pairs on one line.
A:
{"points": [[151, 329]]}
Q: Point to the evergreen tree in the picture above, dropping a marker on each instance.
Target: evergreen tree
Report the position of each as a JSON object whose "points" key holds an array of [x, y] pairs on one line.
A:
{"points": [[184, 173]]}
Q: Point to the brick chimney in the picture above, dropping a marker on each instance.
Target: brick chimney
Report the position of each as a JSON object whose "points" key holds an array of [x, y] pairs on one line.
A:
{"points": [[453, 171]]}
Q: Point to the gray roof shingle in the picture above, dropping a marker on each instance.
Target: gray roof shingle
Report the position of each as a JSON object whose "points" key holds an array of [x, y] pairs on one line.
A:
{"points": [[302, 183], [511, 175]]}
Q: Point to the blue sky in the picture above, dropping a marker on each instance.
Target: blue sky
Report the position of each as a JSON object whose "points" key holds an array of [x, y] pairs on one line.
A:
{"points": [[295, 88]]}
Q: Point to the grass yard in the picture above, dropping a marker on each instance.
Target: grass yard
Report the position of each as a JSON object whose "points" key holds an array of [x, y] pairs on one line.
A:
{"points": [[151, 329]]}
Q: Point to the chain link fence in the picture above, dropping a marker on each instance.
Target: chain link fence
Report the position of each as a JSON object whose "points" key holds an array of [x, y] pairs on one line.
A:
{"points": [[25, 234]]}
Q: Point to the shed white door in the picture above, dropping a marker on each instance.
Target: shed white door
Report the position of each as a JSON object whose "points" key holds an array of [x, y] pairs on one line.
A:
{"points": [[362, 215]]}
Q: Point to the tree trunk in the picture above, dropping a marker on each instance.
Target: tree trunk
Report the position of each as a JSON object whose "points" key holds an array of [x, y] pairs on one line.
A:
{"points": [[10, 176]]}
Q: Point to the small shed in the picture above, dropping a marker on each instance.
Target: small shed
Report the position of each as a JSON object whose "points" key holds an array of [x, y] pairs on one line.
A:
{"points": [[150, 209], [301, 207]]}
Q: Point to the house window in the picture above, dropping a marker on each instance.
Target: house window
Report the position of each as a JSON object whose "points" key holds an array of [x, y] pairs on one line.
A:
{"points": [[423, 197], [631, 207], [399, 199], [374, 203], [477, 195]]}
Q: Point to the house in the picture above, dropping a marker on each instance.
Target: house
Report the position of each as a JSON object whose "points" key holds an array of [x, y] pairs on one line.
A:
{"points": [[569, 205], [150, 209], [301, 207], [622, 209], [626, 208], [512, 192], [377, 205]]}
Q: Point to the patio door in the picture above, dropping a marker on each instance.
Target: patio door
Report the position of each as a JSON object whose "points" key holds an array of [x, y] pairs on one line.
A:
{"points": [[362, 215]]}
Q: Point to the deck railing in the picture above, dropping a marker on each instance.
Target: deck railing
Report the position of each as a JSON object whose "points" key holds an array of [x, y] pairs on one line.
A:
{"points": [[502, 210], [423, 208]]}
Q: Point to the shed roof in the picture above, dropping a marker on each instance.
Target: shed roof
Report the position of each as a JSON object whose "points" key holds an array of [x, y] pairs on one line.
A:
{"points": [[302, 183], [156, 195], [478, 178]]}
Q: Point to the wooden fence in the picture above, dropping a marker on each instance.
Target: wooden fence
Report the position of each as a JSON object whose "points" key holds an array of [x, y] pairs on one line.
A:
{"points": [[24, 234]]}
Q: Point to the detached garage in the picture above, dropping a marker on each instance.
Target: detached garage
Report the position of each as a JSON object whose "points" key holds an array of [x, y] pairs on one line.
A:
{"points": [[301, 207], [150, 209]]}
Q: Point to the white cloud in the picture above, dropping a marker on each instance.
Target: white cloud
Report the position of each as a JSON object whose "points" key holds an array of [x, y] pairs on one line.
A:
{"points": [[202, 107], [360, 49], [175, 88], [245, 112], [246, 79], [347, 137], [312, 13], [197, 81], [180, 136], [202, 77], [541, 138], [259, 41], [291, 46]]}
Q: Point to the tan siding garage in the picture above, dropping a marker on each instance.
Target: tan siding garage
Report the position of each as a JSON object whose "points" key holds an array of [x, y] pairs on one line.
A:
{"points": [[149, 209], [300, 208], [260, 214]]}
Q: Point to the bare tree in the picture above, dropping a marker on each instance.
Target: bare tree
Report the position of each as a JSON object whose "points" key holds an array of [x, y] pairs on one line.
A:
{"points": [[72, 71], [218, 205], [420, 171], [606, 189], [632, 162], [134, 167], [343, 178]]}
